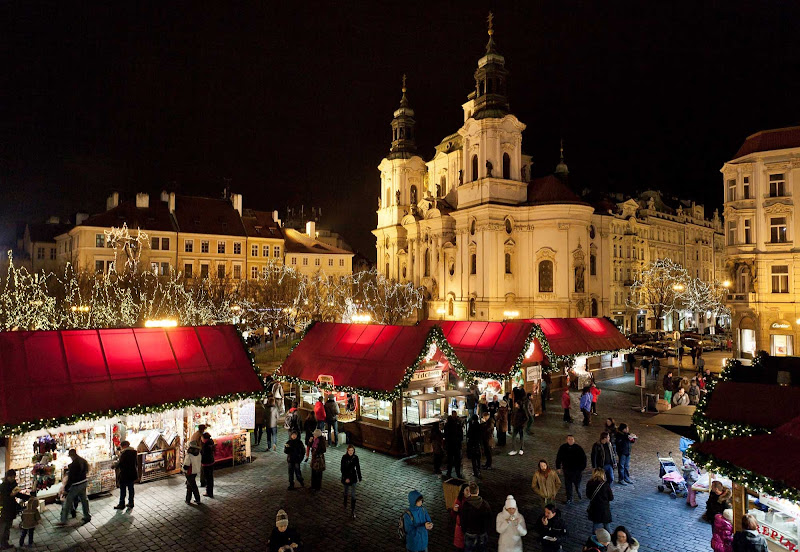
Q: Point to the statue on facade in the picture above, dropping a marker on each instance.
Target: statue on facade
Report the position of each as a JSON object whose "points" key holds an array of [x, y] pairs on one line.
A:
{"points": [[460, 178], [489, 168], [651, 203], [579, 283], [413, 195], [397, 195], [379, 202]]}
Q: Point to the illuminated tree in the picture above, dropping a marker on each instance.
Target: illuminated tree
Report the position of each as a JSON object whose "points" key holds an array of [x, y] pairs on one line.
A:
{"points": [[661, 288]]}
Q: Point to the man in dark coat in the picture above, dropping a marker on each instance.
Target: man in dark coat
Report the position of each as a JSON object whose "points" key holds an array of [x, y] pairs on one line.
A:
{"points": [[128, 474], [453, 437], [477, 520], [571, 461], [8, 504], [604, 456], [552, 529], [332, 420], [294, 451], [207, 459], [487, 434]]}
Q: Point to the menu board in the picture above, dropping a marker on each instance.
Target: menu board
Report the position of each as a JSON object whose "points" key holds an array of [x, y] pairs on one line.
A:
{"points": [[247, 415]]}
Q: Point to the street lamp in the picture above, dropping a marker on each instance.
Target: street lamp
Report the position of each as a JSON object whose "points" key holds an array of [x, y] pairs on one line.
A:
{"points": [[678, 287], [726, 284]]}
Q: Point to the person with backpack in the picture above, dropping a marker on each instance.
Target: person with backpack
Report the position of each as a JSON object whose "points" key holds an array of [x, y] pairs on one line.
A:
{"points": [[351, 476], [551, 528], [293, 449], [30, 519], [192, 466], [453, 437], [511, 526], [291, 422], [319, 413], [415, 524], [476, 521]]}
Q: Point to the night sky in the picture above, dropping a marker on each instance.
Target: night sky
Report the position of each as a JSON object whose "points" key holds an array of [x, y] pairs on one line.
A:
{"points": [[292, 100]]}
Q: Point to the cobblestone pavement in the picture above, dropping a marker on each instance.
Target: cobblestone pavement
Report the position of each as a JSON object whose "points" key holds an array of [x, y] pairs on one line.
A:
{"points": [[247, 498]]}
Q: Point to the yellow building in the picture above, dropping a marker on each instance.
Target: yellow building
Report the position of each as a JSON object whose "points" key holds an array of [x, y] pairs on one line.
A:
{"points": [[308, 255]]}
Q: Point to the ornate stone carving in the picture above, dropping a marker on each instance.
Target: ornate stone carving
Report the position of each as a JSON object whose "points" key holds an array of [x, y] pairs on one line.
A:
{"points": [[563, 226]]}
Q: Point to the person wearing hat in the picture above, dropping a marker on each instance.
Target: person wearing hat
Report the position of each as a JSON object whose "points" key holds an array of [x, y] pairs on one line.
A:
{"points": [[599, 542], [284, 538], [318, 448], [511, 526], [722, 532], [192, 466]]}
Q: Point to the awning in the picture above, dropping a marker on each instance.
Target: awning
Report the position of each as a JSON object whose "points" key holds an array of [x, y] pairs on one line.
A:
{"points": [[422, 397], [50, 378], [371, 359], [489, 348], [756, 404], [568, 337], [678, 420]]}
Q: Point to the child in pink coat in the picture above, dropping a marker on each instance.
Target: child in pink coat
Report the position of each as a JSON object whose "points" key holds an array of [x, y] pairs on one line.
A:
{"points": [[722, 532]]}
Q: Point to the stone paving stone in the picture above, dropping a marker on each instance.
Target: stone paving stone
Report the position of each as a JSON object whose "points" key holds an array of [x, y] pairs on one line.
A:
{"points": [[242, 515]]}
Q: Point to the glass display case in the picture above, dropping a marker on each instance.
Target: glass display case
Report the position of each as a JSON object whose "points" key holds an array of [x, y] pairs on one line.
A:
{"points": [[779, 519], [376, 410]]}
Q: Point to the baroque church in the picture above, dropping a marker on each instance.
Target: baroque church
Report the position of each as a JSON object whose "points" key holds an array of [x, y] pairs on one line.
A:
{"points": [[472, 227]]}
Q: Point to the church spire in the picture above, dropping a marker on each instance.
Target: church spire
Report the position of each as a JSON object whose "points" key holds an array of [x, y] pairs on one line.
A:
{"points": [[491, 80], [403, 144], [562, 170]]}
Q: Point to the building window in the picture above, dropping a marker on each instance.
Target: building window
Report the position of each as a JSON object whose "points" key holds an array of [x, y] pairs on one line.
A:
{"points": [[265, 251], [731, 190], [473, 263], [254, 250], [341, 262], [593, 265], [154, 243], [777, 229], [165, 244], [472, 307], [545, 276], [594, 307], [294, 260], [40, 253], [746, 187], [780, 279], [777, 185], [264, 272], [99, 240], [330, 262], [98, 266], [748, 231], [472, 228], [221, 271], [187, 270], [253, 272], [732, 232], [305, 261], [204, 271], [509, 227], [615, 250], [204, 247], [164, 269], [316, 261], [506, 166], [237, 272], [474, 168], [426, 269], [276, 251], [188, 246], [221, 247], [52, 253], [237, 248], [508, 263]]}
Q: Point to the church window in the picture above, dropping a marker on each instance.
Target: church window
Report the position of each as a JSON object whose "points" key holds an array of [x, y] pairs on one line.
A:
{"points": [[472, 228], [427, 263], [474, 167], [545, 276], [593, 264], [591, 232], [506, 166], [508, 263], [473, 264], [594, 307], [509, 228]]}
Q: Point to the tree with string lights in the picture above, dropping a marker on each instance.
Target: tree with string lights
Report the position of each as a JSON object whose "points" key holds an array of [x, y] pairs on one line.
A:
{"points": [[661, 289]]}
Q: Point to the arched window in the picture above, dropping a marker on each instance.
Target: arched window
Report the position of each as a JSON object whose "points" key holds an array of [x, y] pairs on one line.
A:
{"points": [[593, 264], [509, 227], [472, 308], [473, 264], [443, 185], [404, 272], [508, 263], [506, 166], [472, 228], [450, 307], [427, 263], [545, 276], [387, 270], [474, 167], [594, 307]]}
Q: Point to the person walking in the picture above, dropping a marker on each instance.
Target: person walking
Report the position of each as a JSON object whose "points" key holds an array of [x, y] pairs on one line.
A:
{"points": [[694, 392], [351, 476], [595, 391], [455, 513], [416, 523], [604, 457], [309, 426], [646, 367], [319, 413], [598, 490], [474, 440], [291, 421], [192, 466], [518, 421], [624, 442], [502, 423], [510, 524], [487, 440], [476, 521], [530, 408], [453, 438], [271, 414], [332, 420], [552, 529], [586, 405], [722, 532], [622, 541], [655, 366], [566, 403], [128, 474], [318, 449], [694, 356], [571, 461], [701, 361], [669, 386], [260, 418], [293, 449], [749, 539], [30, 520], [546, 482], [680, 353], [8, 507], [77, 480], [284, 538]]}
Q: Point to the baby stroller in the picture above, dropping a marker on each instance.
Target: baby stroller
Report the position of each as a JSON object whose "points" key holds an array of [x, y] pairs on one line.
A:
{"points": [[671, 477]]}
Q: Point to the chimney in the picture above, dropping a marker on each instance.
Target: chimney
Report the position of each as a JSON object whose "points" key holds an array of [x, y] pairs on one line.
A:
{"points": [[171, 202], [236, 201], [112, 201], [275, 218], [142, 200], [80, 217], [311, 229], [165, 196]]}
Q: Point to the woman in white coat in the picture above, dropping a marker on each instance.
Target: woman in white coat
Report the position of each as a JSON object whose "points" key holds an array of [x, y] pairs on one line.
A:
{"points": [[511, 526]]}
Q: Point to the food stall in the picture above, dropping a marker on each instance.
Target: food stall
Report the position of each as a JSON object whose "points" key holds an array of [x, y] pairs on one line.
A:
{"points": [[400, 379], [228, 424], [92, 389]]}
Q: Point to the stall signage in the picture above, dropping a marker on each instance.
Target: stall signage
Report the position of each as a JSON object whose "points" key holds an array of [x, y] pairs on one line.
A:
{"points": [[776, 536], [247, 415], [780, 326], [425, 374], [533, 373]]}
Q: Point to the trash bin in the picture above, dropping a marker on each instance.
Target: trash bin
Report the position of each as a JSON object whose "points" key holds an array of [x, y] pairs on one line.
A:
{"points": [[451, 488], [651, 400]]}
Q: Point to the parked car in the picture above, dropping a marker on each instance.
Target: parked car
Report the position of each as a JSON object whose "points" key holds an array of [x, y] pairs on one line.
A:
{"points": [[638, 339], [671, 350], [650, 348]]}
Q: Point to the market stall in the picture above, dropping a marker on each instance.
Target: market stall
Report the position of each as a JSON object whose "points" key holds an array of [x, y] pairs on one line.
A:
{"points": [[389, 372], [92, 389]]}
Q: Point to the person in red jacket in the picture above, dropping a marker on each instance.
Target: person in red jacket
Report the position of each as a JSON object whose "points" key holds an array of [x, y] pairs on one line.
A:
{"points": [[319, 414], [595, 393], [566, 403]]}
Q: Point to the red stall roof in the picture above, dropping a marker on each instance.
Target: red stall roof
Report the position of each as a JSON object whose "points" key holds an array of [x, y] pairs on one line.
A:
{"points": [[756, 404], [367, 357], [581, 336], [56, 377], [488, 347]]}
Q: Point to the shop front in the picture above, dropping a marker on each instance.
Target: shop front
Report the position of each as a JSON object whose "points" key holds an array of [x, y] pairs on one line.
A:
{"points": [[92, 389], [781, 342], [392, 383], [747, 337]]}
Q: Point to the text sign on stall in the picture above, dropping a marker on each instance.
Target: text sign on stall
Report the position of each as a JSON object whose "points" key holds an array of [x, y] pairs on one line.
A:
{"points": [[533, 373], [778, 537], [425, 374], [247, 415]]}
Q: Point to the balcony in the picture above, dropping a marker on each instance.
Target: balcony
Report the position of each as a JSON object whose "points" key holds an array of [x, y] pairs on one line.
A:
{"points": [[628, 283]]}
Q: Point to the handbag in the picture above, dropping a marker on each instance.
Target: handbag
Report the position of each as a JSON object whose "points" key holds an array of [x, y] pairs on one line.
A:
{"points": [[594, 494], [318, 463]]}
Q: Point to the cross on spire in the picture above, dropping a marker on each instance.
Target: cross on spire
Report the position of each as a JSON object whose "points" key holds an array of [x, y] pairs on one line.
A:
{"points": [[404, 82], [490, 20]]}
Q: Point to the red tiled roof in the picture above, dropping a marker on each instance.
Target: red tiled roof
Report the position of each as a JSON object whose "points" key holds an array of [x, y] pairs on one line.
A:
{"points": [[155, 217], [204, 215], [756, 404], [259, 224], [297, 242], [768, 140], [549, 190]]}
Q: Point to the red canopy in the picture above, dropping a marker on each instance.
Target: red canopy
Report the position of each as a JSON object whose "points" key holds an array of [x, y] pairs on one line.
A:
{"points": [[489, 347], [368, 357], [756, 404], [55, 377], [581, 336]]}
